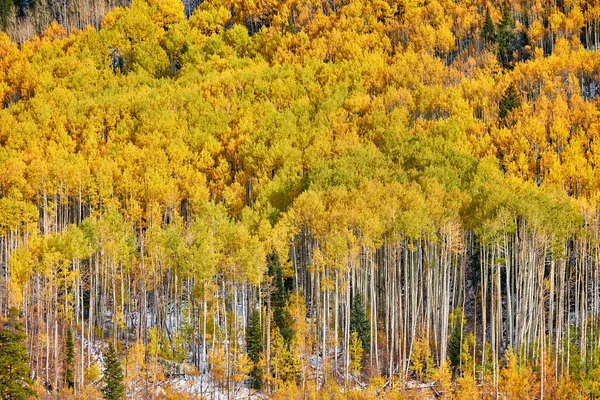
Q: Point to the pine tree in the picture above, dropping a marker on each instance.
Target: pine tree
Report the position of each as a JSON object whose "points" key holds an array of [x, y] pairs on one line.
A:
{"points": [[506, 37], [510, 101], [489, 31], [359, 322], [279, 299], [15, 381], [69, 360], [255, 348], [114, 388], [454, 342], [6, 11]]}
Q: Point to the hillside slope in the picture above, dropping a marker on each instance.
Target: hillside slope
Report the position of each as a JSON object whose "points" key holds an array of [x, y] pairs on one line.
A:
{"points": [[393, 196]]}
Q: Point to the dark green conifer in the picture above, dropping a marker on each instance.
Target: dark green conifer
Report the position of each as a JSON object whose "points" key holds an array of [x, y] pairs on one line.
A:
{"points": [[510, 101], [255, 347], [69, 360], [359, 322], [114, 388], [15, 375], [279, 299], [6, 11], [506, 37], [488, 31], [454, 342]]}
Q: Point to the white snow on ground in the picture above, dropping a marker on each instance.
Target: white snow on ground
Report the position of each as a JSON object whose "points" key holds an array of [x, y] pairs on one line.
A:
{"points": [[199, 386], [95, 349], [202, 385]]}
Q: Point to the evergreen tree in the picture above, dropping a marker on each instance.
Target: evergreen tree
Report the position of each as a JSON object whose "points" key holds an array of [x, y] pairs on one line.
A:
{"points": [[359, 322], [488, 31], [506, 37], [69, 360], [15, 381], [255, 348], [279, 299], [510, 101], [114, 388], [6, 10], [454, 342]]}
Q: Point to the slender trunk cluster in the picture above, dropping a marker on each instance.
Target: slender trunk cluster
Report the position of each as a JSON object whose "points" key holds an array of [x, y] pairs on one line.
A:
{"points": [[523, 290]]}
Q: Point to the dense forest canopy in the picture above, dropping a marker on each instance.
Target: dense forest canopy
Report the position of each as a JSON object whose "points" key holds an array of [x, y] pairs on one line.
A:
{"points": [[305, 197]]}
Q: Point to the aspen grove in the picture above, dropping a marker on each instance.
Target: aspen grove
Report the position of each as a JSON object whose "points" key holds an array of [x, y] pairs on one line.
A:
{"points": [[314, 199]]}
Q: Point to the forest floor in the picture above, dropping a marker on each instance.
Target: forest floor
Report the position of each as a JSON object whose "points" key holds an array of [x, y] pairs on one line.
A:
{"points": [[202, 386]]}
